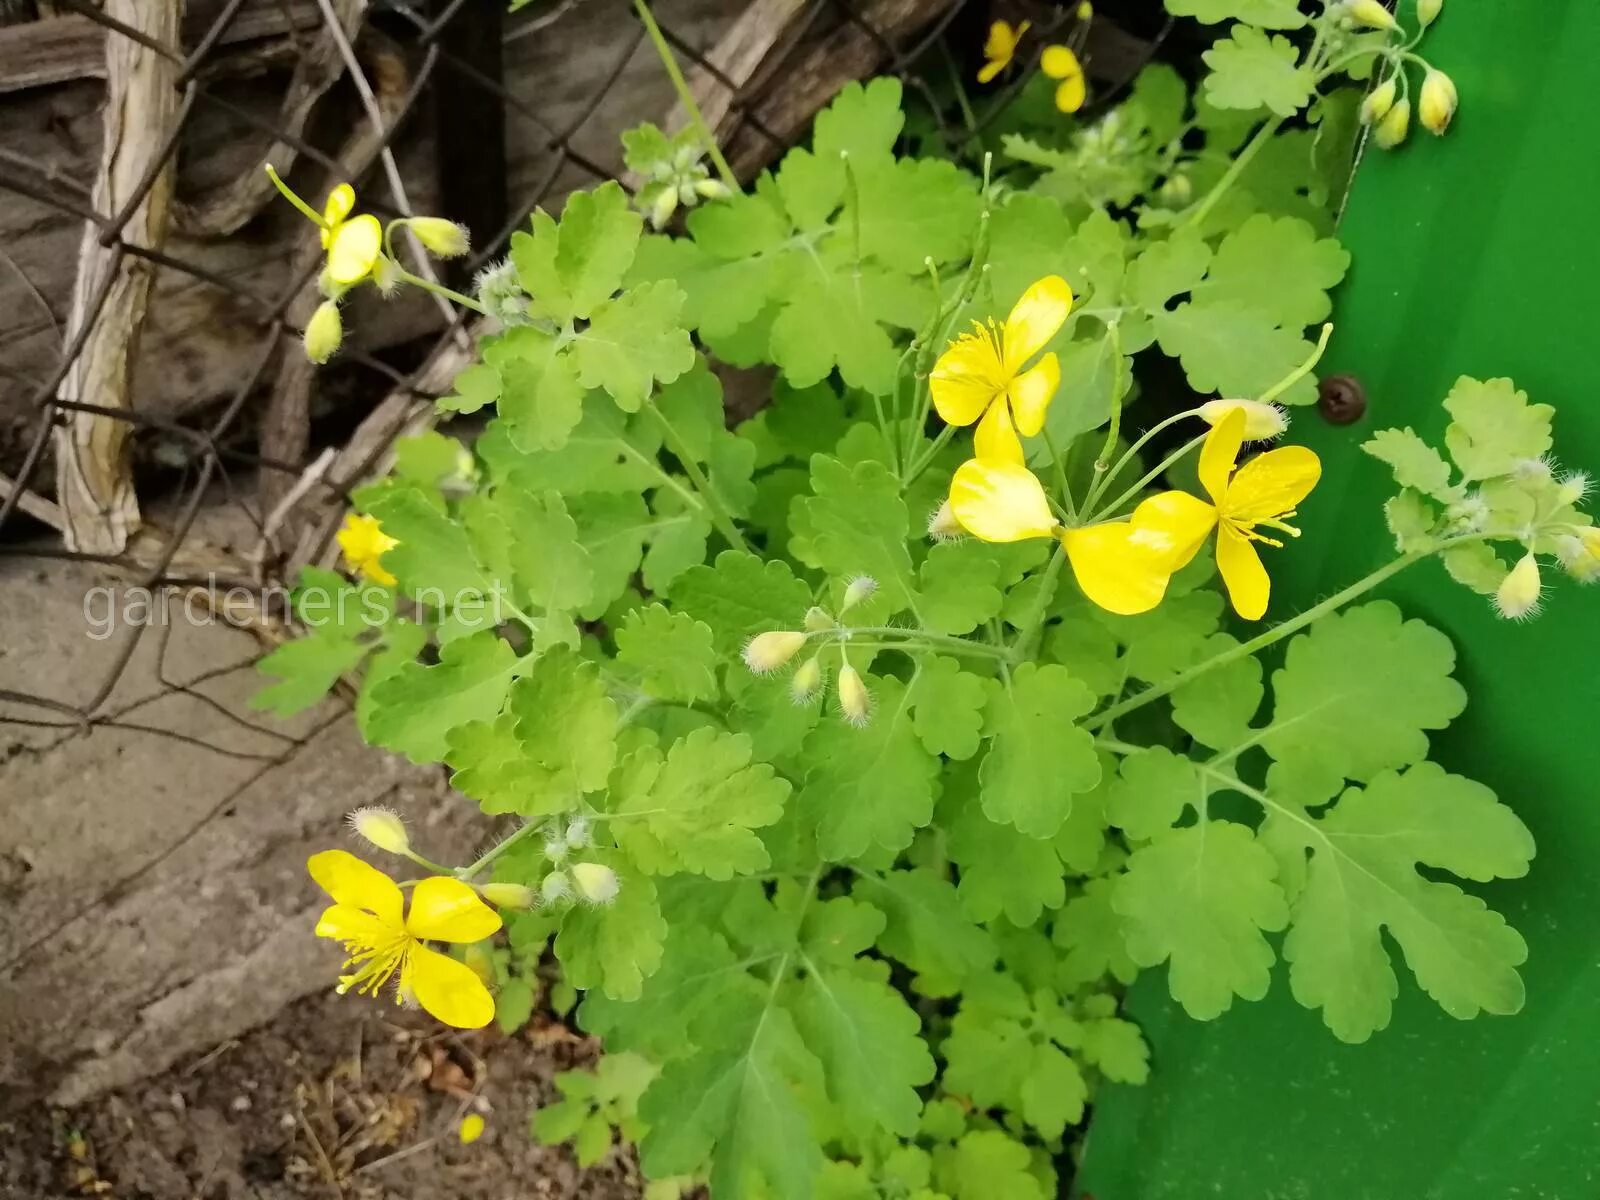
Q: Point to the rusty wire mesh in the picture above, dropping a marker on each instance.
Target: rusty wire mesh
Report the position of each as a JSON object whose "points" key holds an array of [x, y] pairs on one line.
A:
{"points": [[441, 42]]}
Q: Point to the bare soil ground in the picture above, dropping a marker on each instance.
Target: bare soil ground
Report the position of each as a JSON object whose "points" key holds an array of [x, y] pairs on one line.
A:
{"points": [[337, 1098]]}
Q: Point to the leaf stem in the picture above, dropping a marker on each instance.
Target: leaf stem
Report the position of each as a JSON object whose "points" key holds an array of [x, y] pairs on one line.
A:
{"points": [[719, 515], [685, 96], [1231, 175], [944, 641], [438, 289], [496, 851], [1154, 473], [1046, 590]]}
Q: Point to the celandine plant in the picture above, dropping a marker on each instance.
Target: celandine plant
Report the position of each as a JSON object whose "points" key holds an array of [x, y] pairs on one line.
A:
{"points": [[852, 766]]}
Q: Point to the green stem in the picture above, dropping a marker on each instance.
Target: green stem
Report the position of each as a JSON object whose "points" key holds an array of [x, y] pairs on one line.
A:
{"points": [[436, 868], [1256, 644], [719, 515], [1300, 372], [685, 96], [1046, 588], [496, 851], [957, 645], [1102, 468], [284, 190], [1235, 169], [1068, 505], [438, 289], [1132, 452], [932, 452], [1154, 473]]}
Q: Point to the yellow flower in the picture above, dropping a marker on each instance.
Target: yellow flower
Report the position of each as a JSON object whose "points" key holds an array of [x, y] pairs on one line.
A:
{"points": [[368, 916], [354, 244], [1000, 48], [1263, 492], [1059, 62], [471, 1128], [364, 543], [981, 373]]}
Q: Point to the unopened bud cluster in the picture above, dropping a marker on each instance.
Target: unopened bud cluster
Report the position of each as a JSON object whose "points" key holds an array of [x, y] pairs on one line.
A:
{"points": [[766, 653], [1388, 108], [674, 171]]}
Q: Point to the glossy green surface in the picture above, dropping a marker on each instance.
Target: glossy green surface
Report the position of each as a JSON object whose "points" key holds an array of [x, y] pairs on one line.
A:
{"points": [[1475, 254]]}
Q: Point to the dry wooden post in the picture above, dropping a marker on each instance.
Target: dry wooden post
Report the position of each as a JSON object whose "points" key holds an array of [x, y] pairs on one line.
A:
{"points": [[94, 485]]}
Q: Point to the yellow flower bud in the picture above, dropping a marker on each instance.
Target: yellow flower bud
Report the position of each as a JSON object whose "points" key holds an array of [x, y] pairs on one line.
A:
{"points": [[382, 828], [596, 883], [818, 619], [662, 208], [1437, 103], [942, 524], [509, 895], [807, 679], [766, 652], [1589, 535], [1262, 422], [712, 189], [859, 589], [324, 332], [446, 239], [471, 1129], [1517, 597], [1574, 488], [1395, 125], [1428, 11], [1584, 563], [386, 275], [854, 701], [1370, 13], [1379, 101], [1085, 10]]}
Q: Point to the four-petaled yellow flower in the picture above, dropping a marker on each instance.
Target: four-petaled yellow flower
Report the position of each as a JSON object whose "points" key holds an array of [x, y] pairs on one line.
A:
{"points": [[1263, 492], [1000, 48], [1060, 63], [368, 915], [354, 244], [364, 543], [981, 375]]}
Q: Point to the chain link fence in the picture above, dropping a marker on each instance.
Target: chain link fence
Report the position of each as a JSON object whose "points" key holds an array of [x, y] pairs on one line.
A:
{"points": [[516, 107]]}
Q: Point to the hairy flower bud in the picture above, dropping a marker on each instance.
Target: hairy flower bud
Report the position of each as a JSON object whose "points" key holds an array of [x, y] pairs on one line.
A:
{"points": [[596, 883], [1437, 103], [509, 895], [712, 189], [578, 831], [807, 679], [854, 701], [818, 619], [1583, 562], [500, 292], [766, 652], [1262, 422], [1428, 11], [382, 828], [1517, 597], [1380, 100], [663, 206], [942, 524], [1574, 487], [1370, 13], [324, 332], [555, 886], [386, 275], [445, 239], [858, 589], [1392, 130]]}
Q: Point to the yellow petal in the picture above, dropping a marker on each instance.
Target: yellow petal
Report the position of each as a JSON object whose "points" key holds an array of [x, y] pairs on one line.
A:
{"points": [[1071, 93], [1218, 454], [1059, 62], [995, 440], [350, 881], [1242, 572], [1034, 320], [1002, 41], [1174, 525], [993, 67], [354, 249], [1000, 501], [341, 202], [1114, 570], [447, 910], [448, 989], [966, 379], [1273, 483], [1031, 393], [347, 923]]}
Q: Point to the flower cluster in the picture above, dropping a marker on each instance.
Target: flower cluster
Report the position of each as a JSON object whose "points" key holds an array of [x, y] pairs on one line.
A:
{"points": [[1057, 62], [1387, 108], [769, 652]]}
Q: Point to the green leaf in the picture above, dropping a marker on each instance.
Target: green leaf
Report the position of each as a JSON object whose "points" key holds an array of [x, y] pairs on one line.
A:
{"points": [[927, 928], [834, 315], [915, 210], [1269, 14], [416, 708], [606, 453], [858, 526], [1091, 932], [539, 396], [531, 533], [1002, 870], [863, 121], [1357, 692], [1412, 520], [1038, 759], [474, 388], [1250, 70], [1053, 1091], [572, 268], [870, 1044], [492, 767], [1363, 882], [1475, 565], [1117, 1049], [740, 595], [433, 562], [634, 341], [672, 653], [947, 707], [986, 1165], [1200, 897], [1216, 708], [613, 947], [1151, 790], [593, 1140], [1415, 463], [1167, 269], [1232, 349], [958, 583], [694, 809], [869, 786], [1494, 428], [567, 726], [1277, 265]]}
